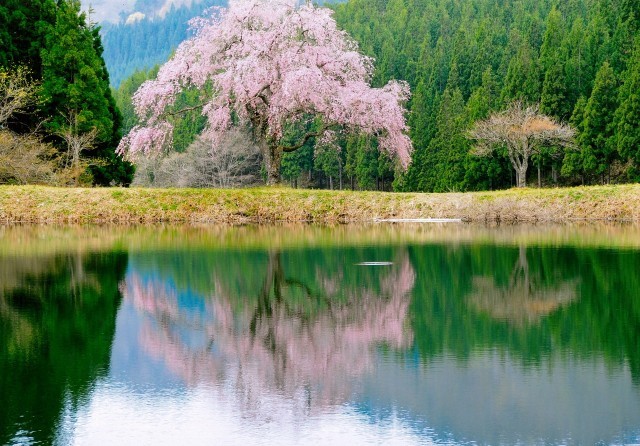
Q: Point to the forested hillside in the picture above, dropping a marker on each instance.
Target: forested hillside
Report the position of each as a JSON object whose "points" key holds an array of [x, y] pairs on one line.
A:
{"points": [[146, 40], [466, 59]]}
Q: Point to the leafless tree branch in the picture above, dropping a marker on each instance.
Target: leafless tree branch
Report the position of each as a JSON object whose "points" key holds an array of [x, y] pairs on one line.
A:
{"points": [[524, 131]]}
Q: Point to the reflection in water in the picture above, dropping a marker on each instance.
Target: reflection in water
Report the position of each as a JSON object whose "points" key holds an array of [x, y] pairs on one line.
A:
{"points": [[57, 320], [292, 335], [251, 336], [524, 298]]}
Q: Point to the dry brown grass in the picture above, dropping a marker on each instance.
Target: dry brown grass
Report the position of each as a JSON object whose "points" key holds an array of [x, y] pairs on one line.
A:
{"points": [[39, 204]]}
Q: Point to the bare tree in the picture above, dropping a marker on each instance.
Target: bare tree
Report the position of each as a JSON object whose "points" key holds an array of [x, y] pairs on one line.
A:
{"points": [[233, 162], [25, 159], [523, 131], [17, 93], [526, 298], [77, 142]]}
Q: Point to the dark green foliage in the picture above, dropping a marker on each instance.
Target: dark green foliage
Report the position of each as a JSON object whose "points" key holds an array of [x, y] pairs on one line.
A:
{"points": [[572, 165], [554, 100], [535, 51], [73, 75], [449, 147], [24, 25], [125, 92], [64, 54], [75, 87], [67, 306], [596, 130], [627, 118], [523, 77]]}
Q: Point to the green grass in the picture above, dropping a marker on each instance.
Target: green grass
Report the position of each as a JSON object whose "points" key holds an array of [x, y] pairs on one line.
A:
{"points": [[39, 204]]}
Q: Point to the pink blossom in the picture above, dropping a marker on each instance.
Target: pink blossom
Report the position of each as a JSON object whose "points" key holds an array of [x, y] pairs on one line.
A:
{"points": [[286, 350], [270, 64]]}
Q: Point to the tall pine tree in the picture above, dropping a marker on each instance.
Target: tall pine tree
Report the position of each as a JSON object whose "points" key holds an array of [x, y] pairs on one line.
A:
{"points": [[76, 93], [597, 125], [627, 117]]}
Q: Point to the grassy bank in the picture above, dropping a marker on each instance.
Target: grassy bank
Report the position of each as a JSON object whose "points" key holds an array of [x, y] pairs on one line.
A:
{"points": [[37, 204]]}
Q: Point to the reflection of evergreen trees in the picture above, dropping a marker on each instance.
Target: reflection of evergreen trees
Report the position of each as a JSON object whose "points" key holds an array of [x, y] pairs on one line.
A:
{"points": [[527, 301], [241, 274], [57, 313], [602, 319], [57, 321]]}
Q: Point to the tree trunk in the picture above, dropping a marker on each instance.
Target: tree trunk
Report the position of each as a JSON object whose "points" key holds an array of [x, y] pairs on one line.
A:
{"points": [[522, 175], [539, 175], [272, 159]]}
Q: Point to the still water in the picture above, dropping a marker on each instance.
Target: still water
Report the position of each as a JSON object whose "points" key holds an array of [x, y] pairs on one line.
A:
{"points": [[419, 334]]}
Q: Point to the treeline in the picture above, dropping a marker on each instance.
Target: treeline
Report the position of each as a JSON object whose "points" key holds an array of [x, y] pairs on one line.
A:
{"points": [[142, 44], [61, 115], [579, 60], [466, 59]]}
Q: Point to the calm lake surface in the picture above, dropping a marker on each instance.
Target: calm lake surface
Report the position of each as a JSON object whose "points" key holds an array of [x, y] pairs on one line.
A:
{"points": [[385, 334]]}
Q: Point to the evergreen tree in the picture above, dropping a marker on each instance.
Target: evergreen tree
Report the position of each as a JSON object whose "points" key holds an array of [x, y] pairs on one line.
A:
{"points": [[627, 117], [631, 12], [125, 92], [76, 94], [109, 168], [23, 27], [366, 165], [523, 77], [552, 41], [577, 66], [597, 126], [555, 100], [572, 163], [294, 164], [482, 173], [450, 145], [422, 125]]}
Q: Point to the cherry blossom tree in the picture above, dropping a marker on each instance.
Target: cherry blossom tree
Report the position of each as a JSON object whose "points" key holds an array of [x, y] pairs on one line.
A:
{"points": [[284, 71]]}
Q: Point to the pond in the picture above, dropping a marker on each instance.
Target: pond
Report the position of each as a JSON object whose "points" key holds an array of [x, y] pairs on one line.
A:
{"points": [[380, 334]]}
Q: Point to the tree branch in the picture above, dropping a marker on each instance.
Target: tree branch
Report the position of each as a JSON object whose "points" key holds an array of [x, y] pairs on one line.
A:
{"points": [[305, 138], [183, 110]]}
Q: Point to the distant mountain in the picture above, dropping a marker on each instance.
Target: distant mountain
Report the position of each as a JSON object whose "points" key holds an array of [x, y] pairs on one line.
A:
{"points": [[116, 11], [147, 36]]}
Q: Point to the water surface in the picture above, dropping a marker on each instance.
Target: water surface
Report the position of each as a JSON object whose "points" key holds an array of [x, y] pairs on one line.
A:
{"points": [[385, 334]]}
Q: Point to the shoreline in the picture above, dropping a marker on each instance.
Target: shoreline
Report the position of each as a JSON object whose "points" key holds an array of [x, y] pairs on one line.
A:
{"points": [[44, 205]]}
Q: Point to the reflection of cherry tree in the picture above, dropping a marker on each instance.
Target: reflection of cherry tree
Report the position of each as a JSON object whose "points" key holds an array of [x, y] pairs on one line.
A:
{"points": [[525, 299], [292, 339]]}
